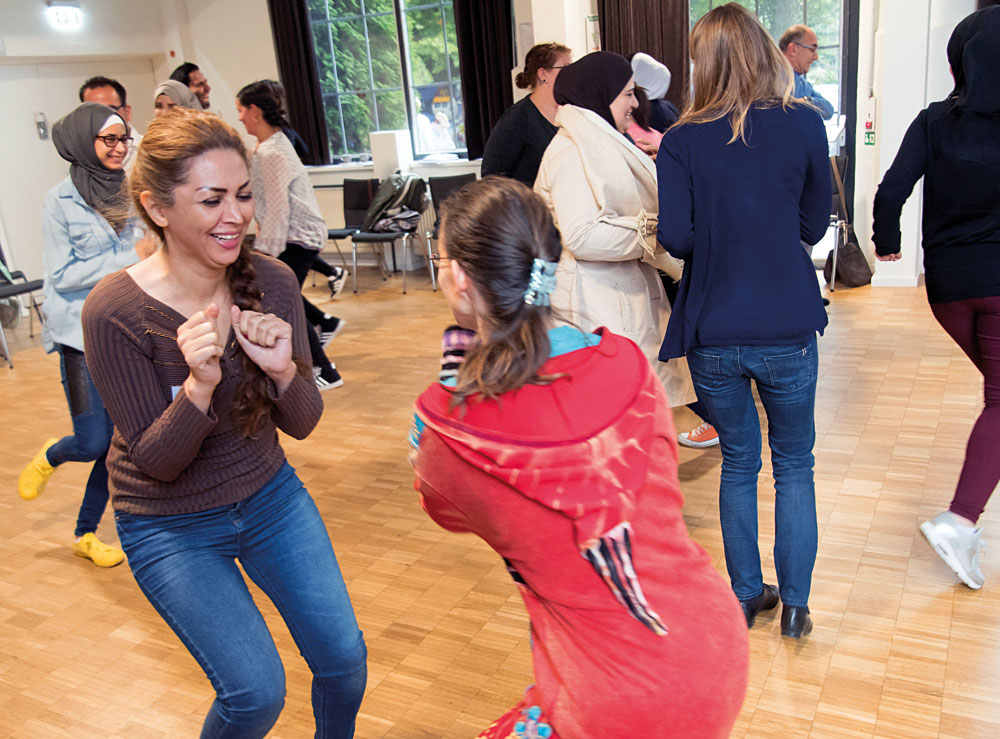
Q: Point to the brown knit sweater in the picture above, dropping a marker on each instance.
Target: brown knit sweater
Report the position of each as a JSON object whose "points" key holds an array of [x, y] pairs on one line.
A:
{"points": [[166, 456]]}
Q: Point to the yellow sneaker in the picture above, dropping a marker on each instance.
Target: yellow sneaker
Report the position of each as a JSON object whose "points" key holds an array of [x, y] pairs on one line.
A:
{"points": [[36, 474], [90, 547]]}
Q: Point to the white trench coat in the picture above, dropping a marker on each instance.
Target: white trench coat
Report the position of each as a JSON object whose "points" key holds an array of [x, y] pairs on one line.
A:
{"points": [[602, 192]]}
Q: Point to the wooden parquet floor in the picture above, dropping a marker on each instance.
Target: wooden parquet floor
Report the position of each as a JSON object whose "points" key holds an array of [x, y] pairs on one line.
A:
{"points": [[900, 649]]}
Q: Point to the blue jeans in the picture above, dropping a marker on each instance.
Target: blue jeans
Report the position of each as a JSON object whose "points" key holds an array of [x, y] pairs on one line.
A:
{"points": [[92, 429], [186, 566], [786, 382]]}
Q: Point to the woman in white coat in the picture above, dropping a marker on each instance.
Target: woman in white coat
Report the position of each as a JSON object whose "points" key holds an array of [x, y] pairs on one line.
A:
{"points": [[602, 192]]}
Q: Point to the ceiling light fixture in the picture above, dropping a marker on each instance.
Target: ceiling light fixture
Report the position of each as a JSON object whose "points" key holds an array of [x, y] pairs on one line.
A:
{"points": [[64, 15]]}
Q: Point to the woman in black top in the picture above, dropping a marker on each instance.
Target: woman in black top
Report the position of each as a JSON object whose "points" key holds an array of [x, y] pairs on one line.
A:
{"points": [[954, 145], [518, 140]]}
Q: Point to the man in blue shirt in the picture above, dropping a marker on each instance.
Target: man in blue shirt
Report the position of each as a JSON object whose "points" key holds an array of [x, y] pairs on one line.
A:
{"points": [[800, 44]]}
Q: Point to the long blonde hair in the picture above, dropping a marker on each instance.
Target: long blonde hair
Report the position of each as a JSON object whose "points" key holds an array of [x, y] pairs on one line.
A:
{"points": [[736, 66]]}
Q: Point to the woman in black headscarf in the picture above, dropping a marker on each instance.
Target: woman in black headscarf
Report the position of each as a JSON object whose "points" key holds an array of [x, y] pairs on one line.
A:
{"points": [[87, 234], [954, 145], [602, 192]]}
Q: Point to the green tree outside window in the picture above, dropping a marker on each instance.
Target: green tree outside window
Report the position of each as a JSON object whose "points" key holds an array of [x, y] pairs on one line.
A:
{"points": [[823, 16], [360, 57]]}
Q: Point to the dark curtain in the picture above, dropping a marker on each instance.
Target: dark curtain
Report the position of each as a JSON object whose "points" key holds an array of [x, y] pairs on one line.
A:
{"points": [[486, 54], [293, 46], [658, 28]]}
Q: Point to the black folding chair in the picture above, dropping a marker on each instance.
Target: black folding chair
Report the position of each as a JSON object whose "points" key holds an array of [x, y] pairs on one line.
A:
{"points": [[387, 238], [358, 196], [14, 285], [441, 188]]}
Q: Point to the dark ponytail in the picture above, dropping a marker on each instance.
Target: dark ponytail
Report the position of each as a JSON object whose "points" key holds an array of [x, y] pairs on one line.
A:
{"points": [[269, 96], [495, 229], [539, 56]]}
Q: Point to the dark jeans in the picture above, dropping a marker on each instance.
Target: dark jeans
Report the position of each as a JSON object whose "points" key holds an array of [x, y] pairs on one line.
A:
{"points": [[699, 409], [92, 429], [186, 566], [322, 266], [786, 382], [300, 260], [975, 327]]}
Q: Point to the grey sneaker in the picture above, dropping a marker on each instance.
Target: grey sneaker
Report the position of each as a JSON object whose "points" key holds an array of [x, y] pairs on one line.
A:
{"points": [[958, 545]]}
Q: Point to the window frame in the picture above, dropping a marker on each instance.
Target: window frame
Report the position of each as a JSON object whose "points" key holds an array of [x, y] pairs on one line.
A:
{"points": [[399, 10], [402, 33]]}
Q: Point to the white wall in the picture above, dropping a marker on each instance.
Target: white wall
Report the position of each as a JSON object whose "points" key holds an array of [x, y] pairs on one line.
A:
{"points": [[138, 42], [230, 40], [910, 71], [564, 22], [31, 165]]}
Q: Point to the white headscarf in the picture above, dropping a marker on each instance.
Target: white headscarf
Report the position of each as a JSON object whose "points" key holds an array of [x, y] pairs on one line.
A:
{"points": [[651, 75]]}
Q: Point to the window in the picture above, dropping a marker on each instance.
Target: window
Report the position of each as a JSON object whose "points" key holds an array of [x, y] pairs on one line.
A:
{"points": [[823, 16], [387, 65]]}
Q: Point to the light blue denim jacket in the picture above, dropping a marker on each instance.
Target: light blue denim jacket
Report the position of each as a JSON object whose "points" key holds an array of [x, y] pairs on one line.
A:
{"points": [[80, 249], [804, 89]]}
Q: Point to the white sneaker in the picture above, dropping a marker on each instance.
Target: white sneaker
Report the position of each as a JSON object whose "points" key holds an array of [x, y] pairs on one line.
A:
{"points": [[958, 545]]}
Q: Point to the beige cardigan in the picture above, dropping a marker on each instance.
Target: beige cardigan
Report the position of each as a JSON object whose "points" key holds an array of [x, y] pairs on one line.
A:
{"points": [[602, 192]]}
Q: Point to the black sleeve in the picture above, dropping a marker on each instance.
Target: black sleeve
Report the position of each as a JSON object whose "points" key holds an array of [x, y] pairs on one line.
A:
{"points": [[896, 186], [504, 147], [662, 115]]}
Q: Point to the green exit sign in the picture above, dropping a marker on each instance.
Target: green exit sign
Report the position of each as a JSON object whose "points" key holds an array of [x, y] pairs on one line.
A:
{"points": [[869, 138]]}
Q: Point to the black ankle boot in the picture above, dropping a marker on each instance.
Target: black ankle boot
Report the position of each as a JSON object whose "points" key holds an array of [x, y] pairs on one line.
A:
{"points": [[795, 621], [767, 600]]}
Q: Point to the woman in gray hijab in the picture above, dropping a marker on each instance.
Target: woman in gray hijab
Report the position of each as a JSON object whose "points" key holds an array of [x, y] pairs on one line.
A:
{"points": [[87, 234], [173, 94]]}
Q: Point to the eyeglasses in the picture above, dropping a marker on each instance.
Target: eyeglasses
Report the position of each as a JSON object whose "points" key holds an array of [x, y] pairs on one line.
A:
{"points": [[111, 140], [437, 259], [558, 66], [811, 47]]}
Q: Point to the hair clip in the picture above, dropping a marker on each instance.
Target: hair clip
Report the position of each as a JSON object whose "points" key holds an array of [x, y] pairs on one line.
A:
{"points": [[541, 283]]}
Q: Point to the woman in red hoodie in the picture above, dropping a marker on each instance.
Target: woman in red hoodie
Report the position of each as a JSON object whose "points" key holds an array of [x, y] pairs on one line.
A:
{"points": [[558, 449]]}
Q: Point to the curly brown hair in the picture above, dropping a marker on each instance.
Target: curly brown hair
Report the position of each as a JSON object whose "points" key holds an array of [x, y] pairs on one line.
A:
{"points": [[163, 162]]}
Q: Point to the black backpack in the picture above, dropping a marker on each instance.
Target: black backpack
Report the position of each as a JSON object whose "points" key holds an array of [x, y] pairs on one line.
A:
{"points": [[397, 192]]}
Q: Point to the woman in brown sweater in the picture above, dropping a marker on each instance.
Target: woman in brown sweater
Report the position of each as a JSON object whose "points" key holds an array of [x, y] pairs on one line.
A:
{"points": [[200, 355]]}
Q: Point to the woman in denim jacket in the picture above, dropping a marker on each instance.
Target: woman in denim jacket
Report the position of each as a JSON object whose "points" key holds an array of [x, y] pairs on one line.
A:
{"points": [[87, 234]]}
